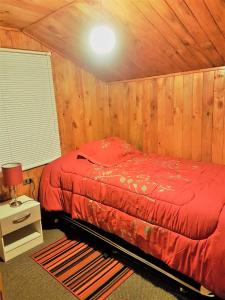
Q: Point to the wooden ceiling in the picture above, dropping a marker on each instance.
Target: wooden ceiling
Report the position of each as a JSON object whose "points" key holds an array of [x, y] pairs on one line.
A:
{"points": [[154, 37]]}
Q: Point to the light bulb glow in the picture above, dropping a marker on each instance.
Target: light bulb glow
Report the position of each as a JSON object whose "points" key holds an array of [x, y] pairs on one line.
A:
{"points": [[102, 39]]}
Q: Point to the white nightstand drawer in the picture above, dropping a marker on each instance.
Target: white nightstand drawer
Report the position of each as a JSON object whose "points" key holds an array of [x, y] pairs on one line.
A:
{"points": [[19, 220], [20, 227]]}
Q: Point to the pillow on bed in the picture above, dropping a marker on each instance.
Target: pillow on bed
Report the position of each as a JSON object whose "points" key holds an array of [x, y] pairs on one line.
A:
{"points": [[107, 152]]}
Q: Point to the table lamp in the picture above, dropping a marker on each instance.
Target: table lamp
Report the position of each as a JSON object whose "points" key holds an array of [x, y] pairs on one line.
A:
{"points": [[12, 176]]}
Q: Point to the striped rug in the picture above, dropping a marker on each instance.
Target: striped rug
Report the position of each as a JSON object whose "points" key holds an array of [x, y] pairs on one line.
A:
{"points": [[87, 273]]}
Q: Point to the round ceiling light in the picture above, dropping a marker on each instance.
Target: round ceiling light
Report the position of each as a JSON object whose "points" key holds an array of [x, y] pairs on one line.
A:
{"points": [[102, 39]]}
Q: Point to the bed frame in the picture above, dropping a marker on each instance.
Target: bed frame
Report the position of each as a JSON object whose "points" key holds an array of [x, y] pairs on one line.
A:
{"points": [[129, 252]]}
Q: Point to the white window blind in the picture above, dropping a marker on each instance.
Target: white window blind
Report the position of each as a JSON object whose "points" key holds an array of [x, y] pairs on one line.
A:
{"points": [[28, 120]]}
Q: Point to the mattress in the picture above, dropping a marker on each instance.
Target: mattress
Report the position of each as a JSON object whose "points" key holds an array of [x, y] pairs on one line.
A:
{"points": [[170, 208]]}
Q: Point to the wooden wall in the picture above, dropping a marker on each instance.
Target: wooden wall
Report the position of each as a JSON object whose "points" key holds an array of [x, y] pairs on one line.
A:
{"points": [[81, 100], [182, 115]]}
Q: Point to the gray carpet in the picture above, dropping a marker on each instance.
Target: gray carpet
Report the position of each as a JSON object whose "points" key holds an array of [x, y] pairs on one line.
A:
{"points": [[26, 280]]}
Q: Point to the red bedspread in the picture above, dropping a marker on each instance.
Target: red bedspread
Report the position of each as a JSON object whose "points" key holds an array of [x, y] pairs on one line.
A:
{"points": [[170, 208]]}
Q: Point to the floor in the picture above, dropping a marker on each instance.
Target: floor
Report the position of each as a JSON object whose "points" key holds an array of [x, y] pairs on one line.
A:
{"points": [[25, 280]]}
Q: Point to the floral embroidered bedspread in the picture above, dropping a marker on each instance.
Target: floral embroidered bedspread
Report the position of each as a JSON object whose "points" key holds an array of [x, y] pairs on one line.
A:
{"points": [[170, 208]]}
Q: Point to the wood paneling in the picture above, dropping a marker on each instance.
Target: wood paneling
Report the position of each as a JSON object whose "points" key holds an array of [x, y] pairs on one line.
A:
{"points": [[180, 114], [21, 13], [154, 37], [81, 100]]}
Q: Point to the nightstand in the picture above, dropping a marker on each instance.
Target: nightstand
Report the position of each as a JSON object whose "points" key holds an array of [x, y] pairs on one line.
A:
{"points": [[20, 227]]}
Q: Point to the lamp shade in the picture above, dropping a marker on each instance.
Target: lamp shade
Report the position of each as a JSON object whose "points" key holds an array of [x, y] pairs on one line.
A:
{"points": [[12, 174]]}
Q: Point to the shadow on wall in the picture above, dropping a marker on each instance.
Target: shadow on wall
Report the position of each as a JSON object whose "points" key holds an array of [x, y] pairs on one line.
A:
{"points": [[4, 192]]}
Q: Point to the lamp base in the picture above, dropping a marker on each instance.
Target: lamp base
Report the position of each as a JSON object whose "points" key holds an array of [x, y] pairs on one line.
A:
{"points": [[15, 203]]}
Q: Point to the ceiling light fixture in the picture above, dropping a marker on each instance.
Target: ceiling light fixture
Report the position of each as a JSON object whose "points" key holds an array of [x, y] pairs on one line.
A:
{"points": [[102, 39]]}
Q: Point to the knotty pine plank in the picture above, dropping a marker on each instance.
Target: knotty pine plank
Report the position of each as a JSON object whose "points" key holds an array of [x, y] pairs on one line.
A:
{"points": [[150, 116], [187, 116], [169, 115], [161, 92], [178, 115], [207, 115], [197, 115], [218, 117]]}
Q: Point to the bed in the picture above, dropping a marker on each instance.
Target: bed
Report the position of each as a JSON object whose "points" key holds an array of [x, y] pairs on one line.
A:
{"points": [[170, 208]]}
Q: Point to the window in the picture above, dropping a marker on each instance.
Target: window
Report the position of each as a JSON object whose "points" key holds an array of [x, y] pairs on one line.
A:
{"points": [[28, 120]]}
